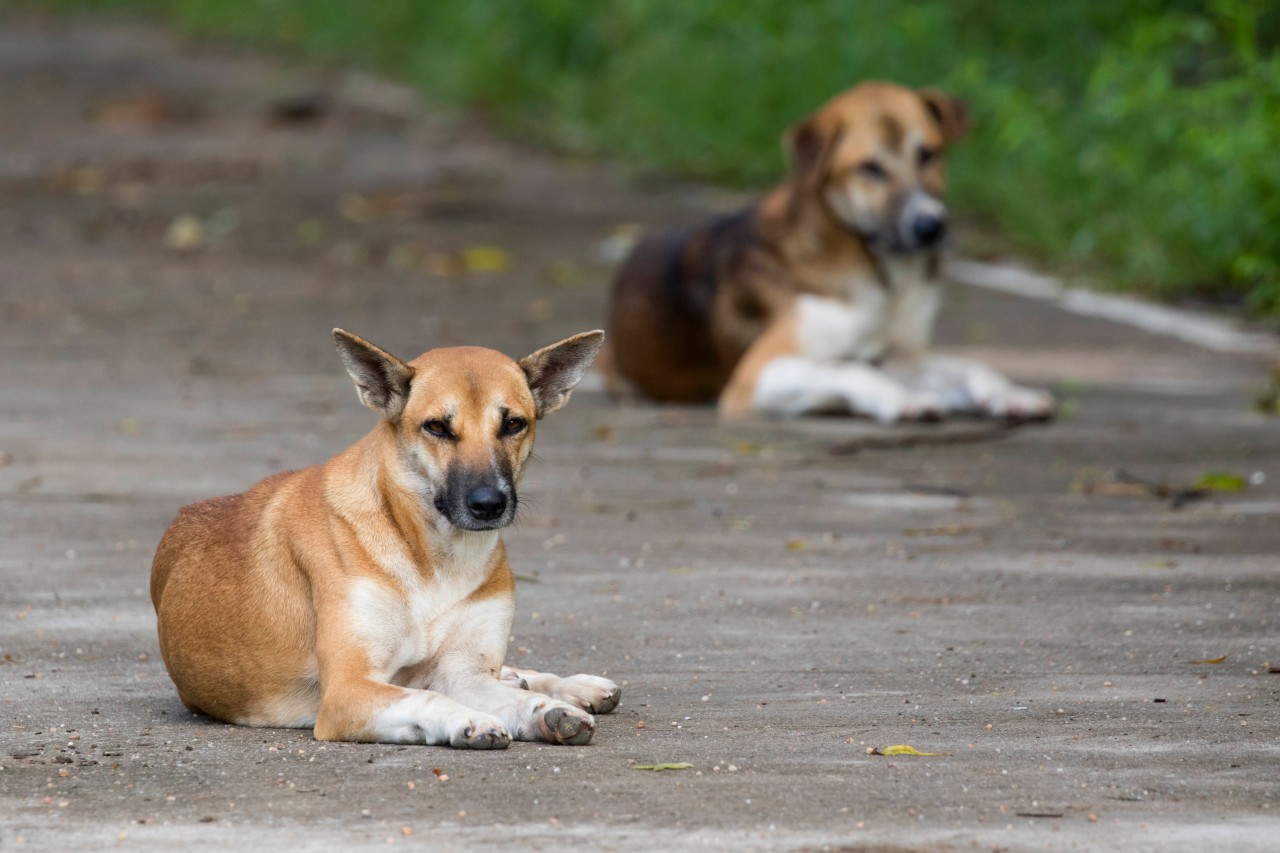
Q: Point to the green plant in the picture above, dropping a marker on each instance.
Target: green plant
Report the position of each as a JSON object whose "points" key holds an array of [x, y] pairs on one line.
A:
{"points": [[1130, 139]]}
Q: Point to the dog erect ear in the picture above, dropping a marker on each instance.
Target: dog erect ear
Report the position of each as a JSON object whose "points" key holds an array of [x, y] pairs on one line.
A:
{"points": [[809, 144], [554, 371], [381, 378], [951, 114]]}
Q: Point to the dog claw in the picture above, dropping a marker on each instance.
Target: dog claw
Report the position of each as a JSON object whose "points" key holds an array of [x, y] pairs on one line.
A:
{"points": [[608, 703], [567, 727], [491, 738]]}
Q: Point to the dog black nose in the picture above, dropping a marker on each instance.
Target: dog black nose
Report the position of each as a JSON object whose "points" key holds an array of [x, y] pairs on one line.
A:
{"points": [[486, 503], [929, 229]]}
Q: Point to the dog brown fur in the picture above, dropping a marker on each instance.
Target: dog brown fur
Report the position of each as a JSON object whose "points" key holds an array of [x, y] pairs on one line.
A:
{"points": [[699, 314], [371, 597]]}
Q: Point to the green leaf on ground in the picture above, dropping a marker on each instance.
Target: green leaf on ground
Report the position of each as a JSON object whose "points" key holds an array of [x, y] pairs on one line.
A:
{"points": [[658, 768], [1220, 481]]}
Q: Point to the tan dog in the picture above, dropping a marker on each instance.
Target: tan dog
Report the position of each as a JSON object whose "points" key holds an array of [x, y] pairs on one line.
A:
{"points": [[822, 296], [370, 597]]}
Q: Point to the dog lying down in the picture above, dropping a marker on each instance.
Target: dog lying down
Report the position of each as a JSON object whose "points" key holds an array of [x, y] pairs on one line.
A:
{"points": [[823, 295], [370, 597]]}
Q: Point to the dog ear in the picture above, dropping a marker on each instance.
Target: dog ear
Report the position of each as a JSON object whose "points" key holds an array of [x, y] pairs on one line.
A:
{"points": [[951, 114], [381, 378], [553, 371], [808, 144]]}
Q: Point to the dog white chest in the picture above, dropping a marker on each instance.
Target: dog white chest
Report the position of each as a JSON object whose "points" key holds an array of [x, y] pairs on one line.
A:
{"points": [[842, 330], [873, 320], [403, 627], [913, 306]]}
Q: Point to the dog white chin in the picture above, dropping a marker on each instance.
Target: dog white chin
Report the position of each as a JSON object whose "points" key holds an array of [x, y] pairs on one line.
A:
{"points": [[469, 525]]}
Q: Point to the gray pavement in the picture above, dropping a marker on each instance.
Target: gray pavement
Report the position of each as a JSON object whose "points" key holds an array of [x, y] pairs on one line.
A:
{"points": [[773, 609]]}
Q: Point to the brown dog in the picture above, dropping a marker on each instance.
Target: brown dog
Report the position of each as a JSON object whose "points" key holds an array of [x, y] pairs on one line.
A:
{"points": [[822, 296], [370, 597]]}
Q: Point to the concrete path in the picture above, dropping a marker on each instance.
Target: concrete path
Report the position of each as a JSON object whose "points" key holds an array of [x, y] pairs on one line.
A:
{"points": [[1098, 669]]}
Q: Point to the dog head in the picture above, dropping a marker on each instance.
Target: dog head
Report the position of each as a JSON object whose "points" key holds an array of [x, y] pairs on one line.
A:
{"points": [[462, 419], [872, 158]]}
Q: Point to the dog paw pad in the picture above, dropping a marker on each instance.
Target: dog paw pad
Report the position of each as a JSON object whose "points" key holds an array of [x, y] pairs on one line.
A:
{"points": [[565, 725]]}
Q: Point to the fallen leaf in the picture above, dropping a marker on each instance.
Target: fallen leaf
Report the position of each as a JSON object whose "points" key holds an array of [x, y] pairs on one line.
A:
{"points": [[526, 578], [797, 545], [619, 243], [185, 232], [900, 749], [1208, 660], [658, 768], [1220, 481], [486, 259]]}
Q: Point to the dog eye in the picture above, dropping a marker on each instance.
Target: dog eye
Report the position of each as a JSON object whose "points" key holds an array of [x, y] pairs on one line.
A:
{"points": [[872, 169], [927, 156], [436, 427], [511, 426]]}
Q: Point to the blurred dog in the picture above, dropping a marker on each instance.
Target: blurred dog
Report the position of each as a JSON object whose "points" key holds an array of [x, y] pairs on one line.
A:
{"points": [[370, 597], [822, 296]]}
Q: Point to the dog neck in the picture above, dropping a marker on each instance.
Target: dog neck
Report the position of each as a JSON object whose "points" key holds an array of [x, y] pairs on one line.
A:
{"points": [[806, 235], [378, 494]]}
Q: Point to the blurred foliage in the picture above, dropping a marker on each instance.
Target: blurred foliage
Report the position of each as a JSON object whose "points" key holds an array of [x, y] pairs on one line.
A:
{"points": [[1131, 139]]}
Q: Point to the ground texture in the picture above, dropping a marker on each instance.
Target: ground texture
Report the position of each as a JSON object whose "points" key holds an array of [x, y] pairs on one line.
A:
{"points": [[180, 227]]}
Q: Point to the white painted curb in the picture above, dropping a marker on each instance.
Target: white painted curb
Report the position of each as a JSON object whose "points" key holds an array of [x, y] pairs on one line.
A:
{"points": [[1203, 330]]}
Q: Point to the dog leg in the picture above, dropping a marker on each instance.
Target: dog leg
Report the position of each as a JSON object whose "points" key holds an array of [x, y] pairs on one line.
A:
{"points": [[365, 711], [794, 385], [589, 692], [529, 715], [467, 670], [968, 386]]}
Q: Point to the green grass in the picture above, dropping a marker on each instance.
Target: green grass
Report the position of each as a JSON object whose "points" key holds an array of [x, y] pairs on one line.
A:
{"points": [[1131, 140]]}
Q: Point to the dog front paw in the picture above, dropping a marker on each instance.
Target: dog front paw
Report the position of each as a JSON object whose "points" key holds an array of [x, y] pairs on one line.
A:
{"points": [[561, 723], [1019, 404], [472, 730], [591, 693], [908, 406]]}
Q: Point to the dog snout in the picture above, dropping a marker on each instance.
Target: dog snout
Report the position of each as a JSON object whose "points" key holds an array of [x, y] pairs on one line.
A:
{"points": [[486, 503], [929, 228], [921, 222]]}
